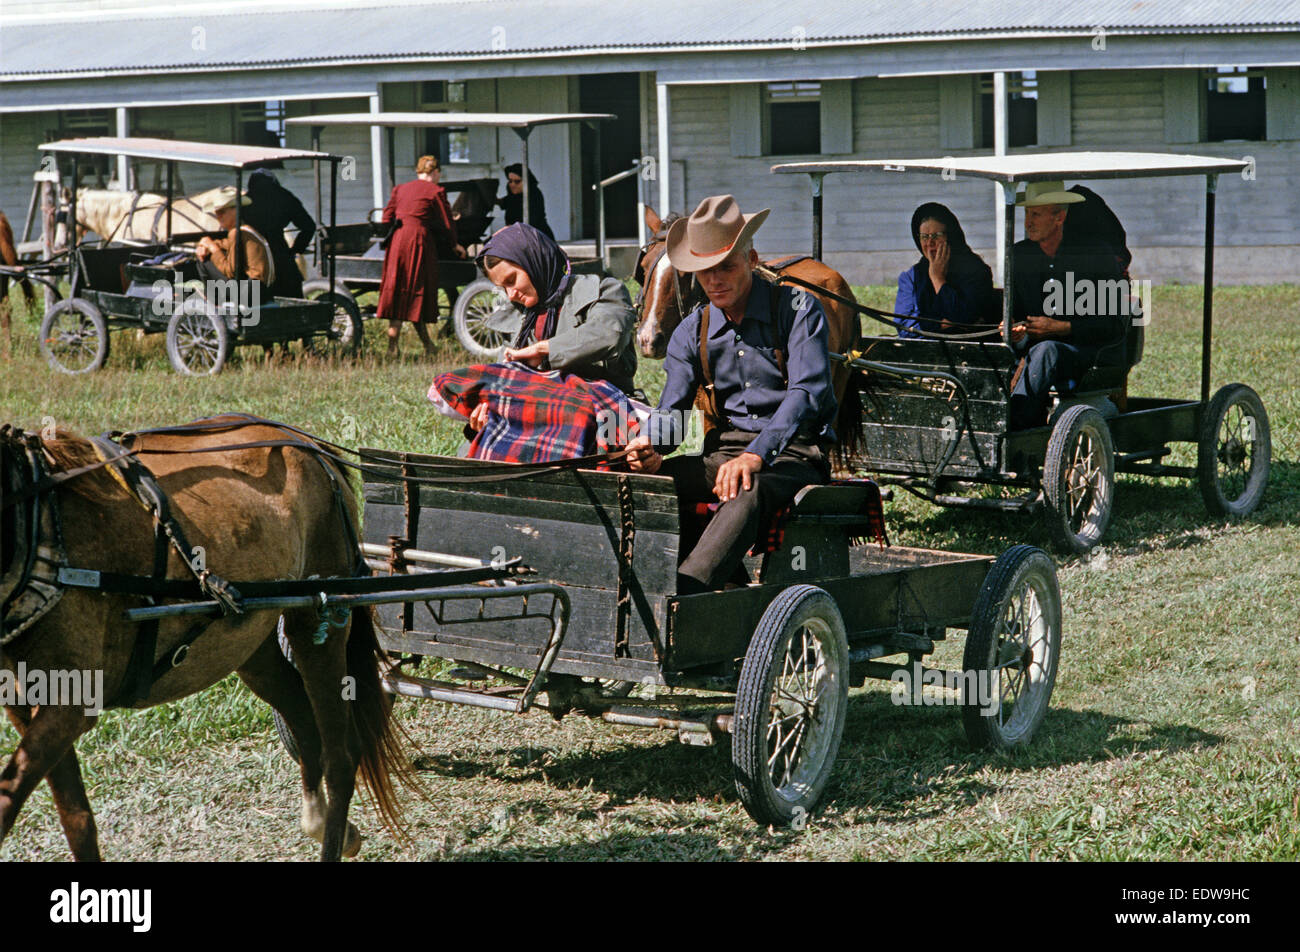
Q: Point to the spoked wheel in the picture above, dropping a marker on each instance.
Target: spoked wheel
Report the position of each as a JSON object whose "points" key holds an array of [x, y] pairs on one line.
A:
{"points": [[486, 322], [74, 337], [197, 339], [345, 333], [1012, 648], [1079, 479], [790, 706], [1234, 453]]}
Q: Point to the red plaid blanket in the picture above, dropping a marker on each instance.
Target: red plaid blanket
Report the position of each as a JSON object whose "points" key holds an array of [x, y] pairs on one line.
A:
{"points": [[538, 416]]}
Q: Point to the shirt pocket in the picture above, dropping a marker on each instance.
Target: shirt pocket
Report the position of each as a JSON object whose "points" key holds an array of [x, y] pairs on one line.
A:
{"points": [[765, 369]]}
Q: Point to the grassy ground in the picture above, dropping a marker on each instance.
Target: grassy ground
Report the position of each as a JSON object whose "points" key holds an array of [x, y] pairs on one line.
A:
{"points": [[1172, 735]]}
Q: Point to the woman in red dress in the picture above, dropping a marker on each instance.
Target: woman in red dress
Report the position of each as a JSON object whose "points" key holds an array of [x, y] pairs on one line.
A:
{"points": [[421, 220]]}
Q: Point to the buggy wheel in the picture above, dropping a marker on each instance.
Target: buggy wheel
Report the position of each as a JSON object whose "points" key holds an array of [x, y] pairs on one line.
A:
{"points": [[197, 340], [486, 322], [74, 337], [1012, 648], [346, 331], [1234, 452], [790, 706], [1079, 479]]}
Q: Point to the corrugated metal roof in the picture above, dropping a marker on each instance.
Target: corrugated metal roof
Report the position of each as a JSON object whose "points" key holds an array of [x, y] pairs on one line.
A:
{"points": [[186, 39]]}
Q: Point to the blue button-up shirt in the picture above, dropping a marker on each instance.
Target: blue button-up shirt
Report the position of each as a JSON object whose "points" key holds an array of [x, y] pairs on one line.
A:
{"points": [[748, 384]]}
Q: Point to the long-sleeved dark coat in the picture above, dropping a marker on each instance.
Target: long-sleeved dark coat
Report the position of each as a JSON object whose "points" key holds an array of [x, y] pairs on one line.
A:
{"points": [[419, 214]]}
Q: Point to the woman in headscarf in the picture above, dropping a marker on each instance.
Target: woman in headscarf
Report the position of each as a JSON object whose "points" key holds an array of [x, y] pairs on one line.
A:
{"points": [[576, 323], [420, 215], [512, 202], [950, 286]]}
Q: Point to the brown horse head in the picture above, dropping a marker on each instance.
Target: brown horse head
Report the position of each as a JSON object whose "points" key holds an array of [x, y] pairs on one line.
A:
{"points": [[667, 295]]}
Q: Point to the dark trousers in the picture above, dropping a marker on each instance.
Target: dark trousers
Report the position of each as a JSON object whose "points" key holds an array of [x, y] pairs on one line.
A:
{"points": [[1049, 363], [716, 555]]}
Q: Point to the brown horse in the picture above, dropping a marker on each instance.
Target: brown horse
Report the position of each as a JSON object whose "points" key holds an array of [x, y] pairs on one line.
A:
{"points": [[259, 513], [666, 297], [9, 258]]}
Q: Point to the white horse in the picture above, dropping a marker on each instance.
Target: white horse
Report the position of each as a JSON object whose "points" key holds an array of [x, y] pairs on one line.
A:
{"points": [[140, 216]]}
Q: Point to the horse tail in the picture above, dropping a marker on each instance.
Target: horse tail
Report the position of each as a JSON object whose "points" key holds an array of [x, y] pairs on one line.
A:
{"points": [[383, 747], [848, 421]]}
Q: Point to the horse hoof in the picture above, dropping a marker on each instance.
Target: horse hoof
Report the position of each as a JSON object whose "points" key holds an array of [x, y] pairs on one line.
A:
{"points": [[352, 842]]}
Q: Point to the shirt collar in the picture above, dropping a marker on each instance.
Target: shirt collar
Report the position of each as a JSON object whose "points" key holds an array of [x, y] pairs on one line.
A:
{"points": [[757, 308]]}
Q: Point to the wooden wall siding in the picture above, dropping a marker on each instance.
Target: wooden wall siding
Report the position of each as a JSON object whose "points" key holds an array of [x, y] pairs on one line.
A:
{"points": [[355, 194], [1118, 109]]}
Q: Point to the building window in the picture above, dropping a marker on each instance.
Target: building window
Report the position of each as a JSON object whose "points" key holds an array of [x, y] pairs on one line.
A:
{"points": [[793, 112], [451, 146], [1234, 104], [1022, 109], [260, 123], [94, 170]]}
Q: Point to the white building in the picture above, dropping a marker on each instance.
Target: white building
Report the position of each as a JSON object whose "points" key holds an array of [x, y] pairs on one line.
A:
{"points": [[715, 93]]}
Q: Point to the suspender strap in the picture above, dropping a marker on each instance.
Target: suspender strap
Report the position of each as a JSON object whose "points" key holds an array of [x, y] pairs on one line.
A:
{"points": [[710, 393]]}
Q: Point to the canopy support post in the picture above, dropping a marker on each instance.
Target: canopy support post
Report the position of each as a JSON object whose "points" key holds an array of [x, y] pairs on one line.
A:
{"points": [[315, 169], [1008, 231], [1207, 311], [171, 194], [817, 187], [600, 200]]}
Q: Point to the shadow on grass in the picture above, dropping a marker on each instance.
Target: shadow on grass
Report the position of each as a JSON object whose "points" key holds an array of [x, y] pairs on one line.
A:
{"points": [[1147, 516], [695, 847], [891, 759]]}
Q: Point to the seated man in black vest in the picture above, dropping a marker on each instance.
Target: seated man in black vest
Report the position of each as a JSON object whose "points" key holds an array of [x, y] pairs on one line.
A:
{"points": [[759, 352], [1069, 305]]}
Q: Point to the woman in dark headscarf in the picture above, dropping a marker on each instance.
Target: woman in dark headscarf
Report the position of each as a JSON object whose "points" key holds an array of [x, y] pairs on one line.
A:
{"points": [[950, 286], [576, 323], [512, 202]]}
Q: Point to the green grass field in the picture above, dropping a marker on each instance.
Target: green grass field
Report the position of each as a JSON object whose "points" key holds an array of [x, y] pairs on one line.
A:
{"points": [[1172, 735]]}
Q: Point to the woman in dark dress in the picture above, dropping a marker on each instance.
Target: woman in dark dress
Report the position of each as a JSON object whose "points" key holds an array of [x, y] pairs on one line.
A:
{"points": [[950, 286], [420, 215], [512, 203]]}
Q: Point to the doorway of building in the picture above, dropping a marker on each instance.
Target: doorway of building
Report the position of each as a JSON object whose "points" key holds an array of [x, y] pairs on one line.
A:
{"points": [[620, 146]]}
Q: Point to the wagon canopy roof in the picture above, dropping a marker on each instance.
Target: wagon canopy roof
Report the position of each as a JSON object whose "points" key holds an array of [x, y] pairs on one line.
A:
{"points": [[454, 120], [171, 150], [1038, 167]]}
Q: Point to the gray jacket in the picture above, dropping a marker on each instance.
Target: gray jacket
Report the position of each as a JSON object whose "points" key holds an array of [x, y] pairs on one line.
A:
{"points": [[594, 331]]}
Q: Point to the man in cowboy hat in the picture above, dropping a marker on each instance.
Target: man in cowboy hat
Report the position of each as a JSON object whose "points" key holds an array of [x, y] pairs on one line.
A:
{"points": [[758, 352], [1060, 315], [217, 255]]}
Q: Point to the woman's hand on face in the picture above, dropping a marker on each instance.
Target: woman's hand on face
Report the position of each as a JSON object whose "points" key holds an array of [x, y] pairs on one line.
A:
{"points": [[939, 255], [478, 418]]}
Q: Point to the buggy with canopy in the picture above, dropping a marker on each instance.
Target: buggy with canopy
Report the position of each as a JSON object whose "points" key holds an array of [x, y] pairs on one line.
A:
{"points": [[131, 284], [937, 408]]}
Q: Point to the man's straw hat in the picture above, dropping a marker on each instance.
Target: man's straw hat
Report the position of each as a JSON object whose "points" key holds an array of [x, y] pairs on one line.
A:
{"points": [[224, 197], [713, 231], [1047, 193]]}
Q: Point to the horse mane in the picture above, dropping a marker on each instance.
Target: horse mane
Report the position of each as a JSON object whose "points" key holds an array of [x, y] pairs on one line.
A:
{"points": [[665, 224]]}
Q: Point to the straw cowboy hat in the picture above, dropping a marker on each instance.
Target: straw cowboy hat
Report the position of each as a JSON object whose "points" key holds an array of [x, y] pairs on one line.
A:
{"points": [[712, 232], [1047, 193], [224, 197]]}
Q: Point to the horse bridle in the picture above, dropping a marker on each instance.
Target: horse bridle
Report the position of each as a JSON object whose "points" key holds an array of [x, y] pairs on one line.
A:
{"points": [[648, 268]]}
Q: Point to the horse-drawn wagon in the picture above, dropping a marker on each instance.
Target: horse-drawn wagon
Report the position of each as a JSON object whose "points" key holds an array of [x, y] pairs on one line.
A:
{"points": [[769, 664], [937, 409], [138, 284], [484, 320]]}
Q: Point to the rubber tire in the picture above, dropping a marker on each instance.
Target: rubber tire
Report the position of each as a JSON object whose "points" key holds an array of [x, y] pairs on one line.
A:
{"points": [[460, 319], [287, 740], [191, 309], [763, 662], [96, 319], [1207, 448], [1016, 568], [1069, 427]]}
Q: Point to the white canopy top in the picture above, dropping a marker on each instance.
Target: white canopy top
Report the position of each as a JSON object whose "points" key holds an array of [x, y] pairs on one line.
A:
{"points": [[1036, 167], [443, 120], [173, 150]]}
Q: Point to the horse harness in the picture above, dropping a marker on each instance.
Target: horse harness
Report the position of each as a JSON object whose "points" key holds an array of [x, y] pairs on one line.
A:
{"points": [[34, 569]]}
